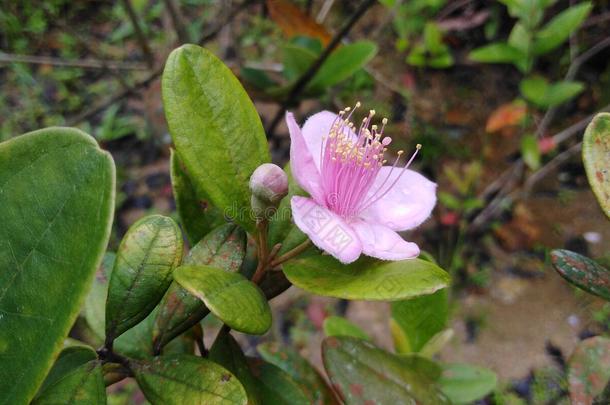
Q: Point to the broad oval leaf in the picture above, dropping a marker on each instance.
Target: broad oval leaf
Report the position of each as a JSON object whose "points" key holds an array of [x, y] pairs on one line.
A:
{"points": [[365, 279], [187, 380], [589, 369], [230, 296], [338, 326], [420, 318], [596, 157], [582, 272], [465, 384], [226, 352], [197, 216], [361, 372], [57, 199], [216, 130], [300, 370], [142, 272], [276, 386], [83, 385], [69, 359], [179, 310]]}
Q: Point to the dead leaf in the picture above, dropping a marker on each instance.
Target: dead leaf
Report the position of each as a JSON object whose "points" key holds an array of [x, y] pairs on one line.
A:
{"points": [[507, 115], [293, 22]]}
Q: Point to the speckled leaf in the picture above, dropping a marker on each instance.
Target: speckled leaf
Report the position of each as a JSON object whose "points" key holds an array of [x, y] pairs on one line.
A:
{"points": [[57, 202], [300, 370], [338, 326], [231, 297], [187, 380], [84, 385], [596, 157], [69, 359], [275, 385], [365, 279], [420, 318], [589, 370], [197, 216], [465, 384], [223, 248], [226, 352], [582, 272], [216, 129], [364, 374], [142, 272]]}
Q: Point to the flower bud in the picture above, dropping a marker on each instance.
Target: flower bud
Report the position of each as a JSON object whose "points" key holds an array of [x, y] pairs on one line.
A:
{"points": [[269, 184]]}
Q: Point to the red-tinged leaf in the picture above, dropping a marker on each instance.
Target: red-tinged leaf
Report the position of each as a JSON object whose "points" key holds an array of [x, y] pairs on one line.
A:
{"points": [[507, 115], [589, 370], [293, 22]]}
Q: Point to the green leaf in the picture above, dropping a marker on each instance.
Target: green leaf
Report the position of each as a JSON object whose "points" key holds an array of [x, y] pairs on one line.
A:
{"points": [[230, 296], [559, 29], [187, 380], [95, 303], [82, 386], [142, 272], [520, 38], [256, 77], [277, 386], [223, 248], [530, 151], [338, 326], [498, 52], [226, 352], [365, 279], [296, 60], [69, 359], [465, 384], [596, 158], [362, 372], [538, 91], [197, 216], [433, 39], [216, 129], [342, 64], [57, 199], [436, 343], [589, 369], [300, 370], [582, 272], [420, 318]]}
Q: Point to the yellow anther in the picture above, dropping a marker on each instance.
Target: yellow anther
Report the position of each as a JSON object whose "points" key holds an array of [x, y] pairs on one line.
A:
{"points": [[418, 146], [358, 104], [400, 152], [384, 121]]}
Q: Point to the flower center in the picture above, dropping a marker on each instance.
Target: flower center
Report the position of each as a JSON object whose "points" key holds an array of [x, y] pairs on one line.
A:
{"points": [[350, 162]]}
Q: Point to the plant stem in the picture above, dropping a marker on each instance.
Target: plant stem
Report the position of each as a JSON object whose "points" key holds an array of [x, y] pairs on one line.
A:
{"points": [[263, 251], [291, 253], [150, 59]]}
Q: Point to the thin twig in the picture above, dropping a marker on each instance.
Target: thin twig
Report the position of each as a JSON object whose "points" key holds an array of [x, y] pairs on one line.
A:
{"points": [[83, 63], [309, 74], [541, 173], [177, 20], [133, 17]]}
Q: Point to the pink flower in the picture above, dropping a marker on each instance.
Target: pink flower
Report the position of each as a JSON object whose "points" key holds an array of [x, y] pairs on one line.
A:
{"points": [[357, 204]]}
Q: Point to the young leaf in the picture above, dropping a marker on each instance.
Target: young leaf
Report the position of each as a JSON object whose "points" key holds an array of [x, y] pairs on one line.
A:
{"points": [[300, 370], [582, 272], [230, 296], [530, 151], [187, 380], [465, 384], [540, 92], [534, 89], [589, 369], [142, 272], [179, 310], [276, 386], [498, 52], [83, 385], [360, 370], [197, 216], [596, 158], [365, 279], [226, 352], [436, 343], [559, 29], [57, 199], [342, 64], [420, 318], [338, 326], [216, 129]]}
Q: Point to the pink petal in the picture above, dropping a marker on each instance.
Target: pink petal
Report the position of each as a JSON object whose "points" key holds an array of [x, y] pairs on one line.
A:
{"points": [[326, 230], [406, 205], [302, 165], [316, 127], [383, 243]]}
